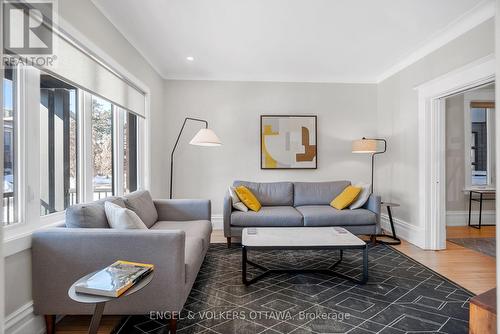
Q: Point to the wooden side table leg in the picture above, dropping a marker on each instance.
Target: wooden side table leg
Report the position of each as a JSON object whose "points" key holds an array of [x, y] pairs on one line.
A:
{"points": [[173, 325], [96, 318], [50, 323]]}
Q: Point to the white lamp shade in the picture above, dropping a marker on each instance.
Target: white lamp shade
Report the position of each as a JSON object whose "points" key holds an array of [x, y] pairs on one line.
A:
{"points": [[205, 137], [364, 146]]}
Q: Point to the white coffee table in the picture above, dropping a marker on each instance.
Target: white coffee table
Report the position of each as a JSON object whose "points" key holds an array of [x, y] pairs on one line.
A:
{"points": [[300, 238]]}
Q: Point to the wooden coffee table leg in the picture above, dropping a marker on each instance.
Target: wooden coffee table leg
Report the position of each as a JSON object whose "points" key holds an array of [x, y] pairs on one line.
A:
{"points": [[96, 318]]}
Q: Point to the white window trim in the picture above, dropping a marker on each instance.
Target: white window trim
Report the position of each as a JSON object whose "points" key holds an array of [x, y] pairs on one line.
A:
{"points": [[118, 120], [482, 95]]}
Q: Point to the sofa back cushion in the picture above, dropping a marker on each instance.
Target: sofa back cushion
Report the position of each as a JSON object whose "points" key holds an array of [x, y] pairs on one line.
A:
{"points": [[270, 194], [142, 204], [90, 215], [317, 193]]}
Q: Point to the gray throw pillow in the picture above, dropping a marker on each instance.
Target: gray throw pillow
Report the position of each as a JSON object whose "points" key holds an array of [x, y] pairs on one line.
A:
{"points": [[141, 203], [90, 215], [122, 218]]}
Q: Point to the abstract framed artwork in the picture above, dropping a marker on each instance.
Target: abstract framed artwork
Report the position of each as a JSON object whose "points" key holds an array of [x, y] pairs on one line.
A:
{"points": [[288, 142]]}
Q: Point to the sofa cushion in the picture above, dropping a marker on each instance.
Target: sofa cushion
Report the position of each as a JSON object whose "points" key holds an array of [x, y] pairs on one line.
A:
{"points": [[200, 229], [90, 215], [317, 193], [325, 215], [268, 216], [141, 203], [270, 194]]}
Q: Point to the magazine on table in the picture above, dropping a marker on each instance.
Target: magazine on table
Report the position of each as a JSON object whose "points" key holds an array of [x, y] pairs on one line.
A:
{"points": [[115, 279]]}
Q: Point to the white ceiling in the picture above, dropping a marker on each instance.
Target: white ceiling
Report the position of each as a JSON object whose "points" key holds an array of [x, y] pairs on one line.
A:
{"points": [[288, 40]]}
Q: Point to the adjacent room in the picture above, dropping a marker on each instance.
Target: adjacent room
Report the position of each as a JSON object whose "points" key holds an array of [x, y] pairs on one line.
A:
{"points": [[249, 166], [471, 168]]}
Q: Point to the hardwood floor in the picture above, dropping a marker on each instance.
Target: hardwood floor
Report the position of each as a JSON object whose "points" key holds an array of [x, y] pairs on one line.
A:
{"points": [[79, 324], [470, 269]]}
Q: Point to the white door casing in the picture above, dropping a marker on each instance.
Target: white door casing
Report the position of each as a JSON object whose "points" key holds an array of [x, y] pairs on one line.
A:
{"points": [[431, 138]]}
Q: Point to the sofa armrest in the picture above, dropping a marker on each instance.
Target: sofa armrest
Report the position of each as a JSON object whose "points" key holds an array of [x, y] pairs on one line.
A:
{"points": [[374, 204], [60, 256], [226, 212], [183, 209]]}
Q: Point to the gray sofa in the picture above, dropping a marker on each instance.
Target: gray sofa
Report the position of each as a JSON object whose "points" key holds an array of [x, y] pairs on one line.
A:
{"points": [[176, 243], [300, 204]]}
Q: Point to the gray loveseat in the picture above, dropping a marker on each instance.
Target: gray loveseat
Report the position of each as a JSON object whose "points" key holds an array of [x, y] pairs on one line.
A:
{"points": [[300, 204], [176, 243]]}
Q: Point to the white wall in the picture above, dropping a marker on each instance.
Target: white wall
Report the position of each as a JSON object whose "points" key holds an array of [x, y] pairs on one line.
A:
{"points": [[345, 112], [397, 172], [89, 21]]}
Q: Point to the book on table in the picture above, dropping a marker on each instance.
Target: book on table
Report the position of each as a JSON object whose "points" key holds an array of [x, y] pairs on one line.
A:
{"points": [[115, 279]]}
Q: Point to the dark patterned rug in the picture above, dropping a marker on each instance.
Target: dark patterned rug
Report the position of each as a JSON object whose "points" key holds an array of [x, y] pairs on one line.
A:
{"points": [[401, 296], [483, 245]]}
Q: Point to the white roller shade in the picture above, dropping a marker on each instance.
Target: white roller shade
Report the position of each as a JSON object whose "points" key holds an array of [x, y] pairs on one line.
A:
{"points": [[80, 68]]}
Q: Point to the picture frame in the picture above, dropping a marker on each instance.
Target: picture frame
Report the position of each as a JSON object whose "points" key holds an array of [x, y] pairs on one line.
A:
{"points": [[288, 142]]}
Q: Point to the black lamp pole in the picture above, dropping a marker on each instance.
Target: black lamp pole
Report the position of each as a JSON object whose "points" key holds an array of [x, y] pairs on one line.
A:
{"points": [[175, 146], [373, 155]]}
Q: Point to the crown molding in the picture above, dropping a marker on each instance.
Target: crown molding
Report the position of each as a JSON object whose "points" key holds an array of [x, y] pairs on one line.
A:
{"points": [[278, 79], [469, 20]]}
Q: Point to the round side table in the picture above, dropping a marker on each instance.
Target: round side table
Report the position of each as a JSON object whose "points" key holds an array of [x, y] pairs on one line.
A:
{"points": [[100, 301], [393, 239]]}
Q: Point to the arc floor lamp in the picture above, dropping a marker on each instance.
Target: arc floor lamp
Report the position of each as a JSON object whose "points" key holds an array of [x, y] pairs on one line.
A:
{"points": [[369, 145], [204, 137]]}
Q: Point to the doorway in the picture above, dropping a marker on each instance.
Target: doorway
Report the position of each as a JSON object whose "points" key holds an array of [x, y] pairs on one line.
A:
{"points": [[432, 143], [470, 133]]}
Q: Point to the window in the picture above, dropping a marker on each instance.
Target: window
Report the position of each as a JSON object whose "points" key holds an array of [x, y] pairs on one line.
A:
{"points": [[9, 149], [481, 140], [75, 147], [129, 152], [102, 148], [58, 145]]}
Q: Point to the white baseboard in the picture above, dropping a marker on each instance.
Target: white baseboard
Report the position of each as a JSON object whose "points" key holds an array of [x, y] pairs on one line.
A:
{"points": [[404, 230], [23, 321], [461, 218], [217, 222]]}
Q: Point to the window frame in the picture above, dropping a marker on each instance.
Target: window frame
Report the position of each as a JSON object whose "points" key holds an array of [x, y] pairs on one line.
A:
{"points": [[15, 149]]}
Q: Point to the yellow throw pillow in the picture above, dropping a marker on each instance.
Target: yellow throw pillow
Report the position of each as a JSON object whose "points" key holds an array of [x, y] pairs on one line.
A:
{"points": [[346, 198], [248, 198]]}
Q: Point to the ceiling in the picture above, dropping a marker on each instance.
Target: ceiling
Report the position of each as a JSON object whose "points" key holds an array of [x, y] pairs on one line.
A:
{"points": [[287, 40]]}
